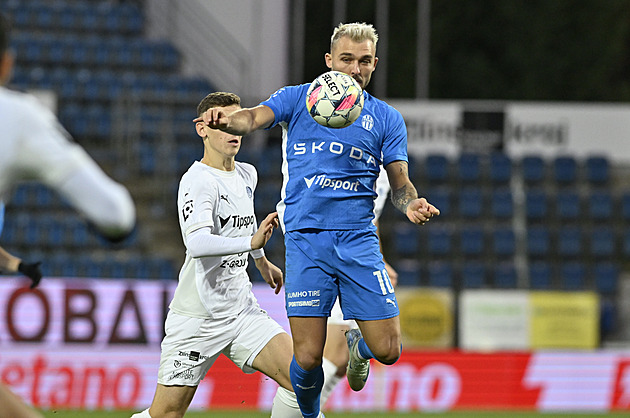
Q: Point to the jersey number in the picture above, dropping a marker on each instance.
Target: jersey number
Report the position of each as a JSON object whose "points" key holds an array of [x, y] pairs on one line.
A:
{"points": [[384, 282]]}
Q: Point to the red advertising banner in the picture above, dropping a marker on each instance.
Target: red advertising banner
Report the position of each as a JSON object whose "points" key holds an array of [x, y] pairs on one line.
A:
{"points": [[94, 344]]}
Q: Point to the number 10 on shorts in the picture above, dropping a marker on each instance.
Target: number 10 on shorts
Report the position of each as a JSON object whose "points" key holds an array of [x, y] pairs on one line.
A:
{"points": [[383, 281]]}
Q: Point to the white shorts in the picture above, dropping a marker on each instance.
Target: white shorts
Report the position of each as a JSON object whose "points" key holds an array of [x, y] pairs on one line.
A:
{"points": [[192, 345], [336, 317]]}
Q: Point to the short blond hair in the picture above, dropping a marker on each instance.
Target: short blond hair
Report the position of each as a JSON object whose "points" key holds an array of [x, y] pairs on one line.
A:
{"points": [[358, 32]]}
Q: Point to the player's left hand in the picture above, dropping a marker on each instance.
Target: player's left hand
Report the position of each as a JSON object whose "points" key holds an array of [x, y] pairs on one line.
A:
{"points": [[271, 273], [33, 271], [419, 211]]}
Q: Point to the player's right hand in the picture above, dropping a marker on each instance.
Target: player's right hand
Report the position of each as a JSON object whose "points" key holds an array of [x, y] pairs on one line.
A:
{"points": [[265, 230], [215, 118]]}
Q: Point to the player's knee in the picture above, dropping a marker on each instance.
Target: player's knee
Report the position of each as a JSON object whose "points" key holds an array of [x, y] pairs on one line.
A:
{"points": [[308, 361], [389, 354]]}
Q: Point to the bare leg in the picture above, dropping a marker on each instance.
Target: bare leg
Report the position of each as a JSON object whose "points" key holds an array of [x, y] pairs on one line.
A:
{"points": [[13, 407]]}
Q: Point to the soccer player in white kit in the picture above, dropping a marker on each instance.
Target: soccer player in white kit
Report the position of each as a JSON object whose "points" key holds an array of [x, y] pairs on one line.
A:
{"points": [[214, 310], [36, 147]]}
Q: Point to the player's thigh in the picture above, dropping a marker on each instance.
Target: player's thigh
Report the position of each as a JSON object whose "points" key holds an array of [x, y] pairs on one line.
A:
{"points": [[171, 400], [309, 337], [274, 359], [383, 337]]}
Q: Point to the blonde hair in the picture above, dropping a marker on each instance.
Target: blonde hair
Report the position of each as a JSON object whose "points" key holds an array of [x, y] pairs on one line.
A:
{"points": [[358, 32]]}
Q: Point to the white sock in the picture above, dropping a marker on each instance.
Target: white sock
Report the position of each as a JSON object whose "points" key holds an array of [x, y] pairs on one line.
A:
{"points": [[285, 405], [143, 414], [330, 380]]}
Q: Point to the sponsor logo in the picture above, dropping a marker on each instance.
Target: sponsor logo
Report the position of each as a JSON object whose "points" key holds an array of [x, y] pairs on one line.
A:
{"points": [[238, 221], [323, 181], [314, 302], [388, 300], [194, 355], [241, 262], [224, 197], [305, 387], [337, 148], [187, 210]]}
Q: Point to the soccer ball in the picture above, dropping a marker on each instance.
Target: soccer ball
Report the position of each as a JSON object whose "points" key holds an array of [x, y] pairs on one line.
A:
{"points": [[334, 99]]}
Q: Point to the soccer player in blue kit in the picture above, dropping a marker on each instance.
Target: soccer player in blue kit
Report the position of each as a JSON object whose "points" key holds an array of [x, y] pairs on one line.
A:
{"points": [[326, 213]]}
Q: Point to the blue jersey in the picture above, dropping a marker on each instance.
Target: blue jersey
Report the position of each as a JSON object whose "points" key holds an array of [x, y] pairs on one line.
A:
{"points": [[329, 174]]}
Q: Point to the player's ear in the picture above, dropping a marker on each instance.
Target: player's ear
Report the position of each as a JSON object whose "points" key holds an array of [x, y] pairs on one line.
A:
{"points": [[328, 59], [200, 127]]}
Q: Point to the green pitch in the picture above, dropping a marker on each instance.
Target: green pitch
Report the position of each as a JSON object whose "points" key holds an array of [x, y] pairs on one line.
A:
{"points": [[249, 414]]}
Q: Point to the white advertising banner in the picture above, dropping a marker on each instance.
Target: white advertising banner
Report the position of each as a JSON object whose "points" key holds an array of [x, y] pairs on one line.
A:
{"points": [[517, 128]]}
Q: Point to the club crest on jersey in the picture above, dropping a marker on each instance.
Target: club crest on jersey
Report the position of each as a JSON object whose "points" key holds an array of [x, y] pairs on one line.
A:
{"points": [[250, 193], [367, 122]]}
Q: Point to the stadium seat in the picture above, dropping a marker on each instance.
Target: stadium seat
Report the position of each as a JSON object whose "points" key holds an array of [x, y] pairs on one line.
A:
{"points": [[625, 206], [625, 242], [538, 241], [500, 168], [501, 204], [597, 170], [472, 241], [470, 202], [540, 274], [536, 205], [573, 276], [602, 242], [439, 240], [533, 169], [570, 241], [468, 168], [441, 198], [606, 276], [504, 276], [436, 168], [473, 275], [408, 272], [565, 170], [503, 241], [440, 274], [567, 205], [600, 205], [406, 239]]}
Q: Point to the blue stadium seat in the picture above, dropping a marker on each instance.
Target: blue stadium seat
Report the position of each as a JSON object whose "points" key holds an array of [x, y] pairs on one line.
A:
{"points": [[567, 204], [470, 202], [468, 168], [504, 276], [536, 205], [600, 205], [606, 276], [597, 170], [625, 206], [472, 241], [625, 243], [538, 241], [406, 239], [570, 241], [440, 274], [573, 276], [533, 169], [602, 242], [439, 240], [473, 274], [436, 168], [441, 198], [501, 204], [565, 170], [408, 272], [503, 241], [540, 275], [500, 168]]}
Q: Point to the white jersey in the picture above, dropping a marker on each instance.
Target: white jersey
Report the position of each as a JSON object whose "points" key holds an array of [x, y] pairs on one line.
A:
{"points": [[36, 147], [215, 286], [382, 188]]}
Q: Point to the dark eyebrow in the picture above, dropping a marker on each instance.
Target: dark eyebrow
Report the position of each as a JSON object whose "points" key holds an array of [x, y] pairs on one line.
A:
{"points": [[347, 54]]}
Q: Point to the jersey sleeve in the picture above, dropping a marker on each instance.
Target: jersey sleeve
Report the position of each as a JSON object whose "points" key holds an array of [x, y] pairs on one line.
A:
{"points": [[283, 102], [197, 203], [395, 142]]}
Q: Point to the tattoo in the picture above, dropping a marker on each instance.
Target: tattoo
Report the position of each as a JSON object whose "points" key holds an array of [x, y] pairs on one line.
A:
{"points": [[403, 196]]}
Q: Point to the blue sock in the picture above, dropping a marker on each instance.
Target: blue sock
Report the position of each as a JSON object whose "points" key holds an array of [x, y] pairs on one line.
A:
{"points": [[364, 350], [307, 386]]}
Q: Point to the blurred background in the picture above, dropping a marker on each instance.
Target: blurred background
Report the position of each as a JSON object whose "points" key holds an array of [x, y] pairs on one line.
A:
{"points": [[518, 117]]}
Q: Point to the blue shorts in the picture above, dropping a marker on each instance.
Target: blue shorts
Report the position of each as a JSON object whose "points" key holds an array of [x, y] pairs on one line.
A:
{"points": [[1, 217], [323, 264]]}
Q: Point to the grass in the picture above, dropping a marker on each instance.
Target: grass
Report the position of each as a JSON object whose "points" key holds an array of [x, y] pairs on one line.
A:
{"points": [[257, 414]]}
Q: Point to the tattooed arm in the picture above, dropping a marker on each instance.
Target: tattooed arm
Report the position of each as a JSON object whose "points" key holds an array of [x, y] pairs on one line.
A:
{"points": [[405, 197]]}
